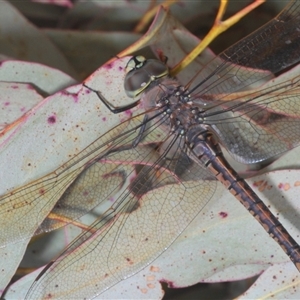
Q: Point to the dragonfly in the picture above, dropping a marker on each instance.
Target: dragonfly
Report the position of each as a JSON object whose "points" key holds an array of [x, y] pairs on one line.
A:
{"points": [[174, 144]]}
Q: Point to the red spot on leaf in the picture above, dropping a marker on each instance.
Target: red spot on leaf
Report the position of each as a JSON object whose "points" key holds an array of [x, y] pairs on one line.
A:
{"points": [[108, 66], [51, 119], [75, 98], [284, 186], [169, 283], [223, 214]]}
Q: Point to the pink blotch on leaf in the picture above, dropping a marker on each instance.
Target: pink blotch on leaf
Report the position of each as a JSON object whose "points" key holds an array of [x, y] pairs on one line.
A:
{"points": [[169, 283], [223, 214], [108, 66], [76, 99], [51, 119], [284, 186]]}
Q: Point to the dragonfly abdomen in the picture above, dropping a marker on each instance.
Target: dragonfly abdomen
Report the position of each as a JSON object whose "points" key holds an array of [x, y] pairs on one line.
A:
{"points": [[209, 154]]}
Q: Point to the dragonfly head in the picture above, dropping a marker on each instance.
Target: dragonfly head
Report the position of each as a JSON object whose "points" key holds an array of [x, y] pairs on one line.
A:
{"points": [[141, 73]]}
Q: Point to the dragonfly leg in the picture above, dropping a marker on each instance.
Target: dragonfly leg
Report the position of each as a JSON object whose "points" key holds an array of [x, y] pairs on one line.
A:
{"points": [[113, 109]]}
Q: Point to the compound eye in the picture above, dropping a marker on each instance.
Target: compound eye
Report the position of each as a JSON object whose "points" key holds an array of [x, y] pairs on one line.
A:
{"points": [[136, 82], [141, 73], [134, 63], [155, 68]]}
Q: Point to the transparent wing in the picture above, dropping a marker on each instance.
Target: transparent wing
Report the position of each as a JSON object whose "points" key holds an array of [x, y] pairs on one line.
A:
{"points": [[257, 124], [157, 206], [273, 47], [19, 207]]}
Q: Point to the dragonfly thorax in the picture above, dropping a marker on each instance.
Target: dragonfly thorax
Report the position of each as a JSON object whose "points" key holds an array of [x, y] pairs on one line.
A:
{"points": [[149, 78], [174, 101], [180, 109]]}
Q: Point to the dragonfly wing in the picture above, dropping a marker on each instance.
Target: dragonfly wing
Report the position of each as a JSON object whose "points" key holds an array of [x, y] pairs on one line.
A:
{"points": [[261, 124], [26, 207], [146, 218], [82, 195], [273, 47]]}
